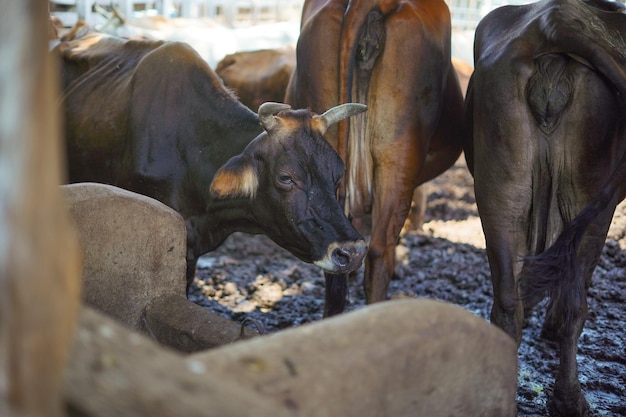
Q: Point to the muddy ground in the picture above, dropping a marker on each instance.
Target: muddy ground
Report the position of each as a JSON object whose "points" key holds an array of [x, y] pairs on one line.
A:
{"points": [[249, 276]]}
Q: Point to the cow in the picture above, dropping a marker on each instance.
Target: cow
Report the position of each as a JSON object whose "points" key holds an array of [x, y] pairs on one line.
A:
{"points": [[547, 115], [258, 76], [263, 75], [394, 56], [153, 118]]}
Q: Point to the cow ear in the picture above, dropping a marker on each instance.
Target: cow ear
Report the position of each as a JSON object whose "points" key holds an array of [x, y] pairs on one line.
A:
{"points": [[236, 179]]}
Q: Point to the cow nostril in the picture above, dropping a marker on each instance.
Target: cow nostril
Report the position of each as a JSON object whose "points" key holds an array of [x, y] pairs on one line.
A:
{"points": [[341, 257]]}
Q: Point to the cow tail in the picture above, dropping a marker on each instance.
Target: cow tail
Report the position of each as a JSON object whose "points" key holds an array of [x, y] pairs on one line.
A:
{"points": [[354, 18], [552, 272]]}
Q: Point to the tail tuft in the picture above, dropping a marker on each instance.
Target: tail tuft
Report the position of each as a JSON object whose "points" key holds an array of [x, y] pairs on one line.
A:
{"points": [[547, 273]]}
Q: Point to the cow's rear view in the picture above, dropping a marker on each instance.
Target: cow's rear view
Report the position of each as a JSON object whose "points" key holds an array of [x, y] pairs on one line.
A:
{"points": [[546, 105], [393, 56]]}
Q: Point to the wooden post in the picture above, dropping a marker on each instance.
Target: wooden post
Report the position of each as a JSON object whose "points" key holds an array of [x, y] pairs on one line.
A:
{"points": [[39, 263]]}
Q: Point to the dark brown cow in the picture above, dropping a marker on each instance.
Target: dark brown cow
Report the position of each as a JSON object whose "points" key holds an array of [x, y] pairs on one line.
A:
{"points": [[546, 101], [393, 55], [258, 76], [152, 117]]}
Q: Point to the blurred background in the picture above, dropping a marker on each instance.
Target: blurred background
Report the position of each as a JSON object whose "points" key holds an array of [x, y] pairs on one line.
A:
{"points": [[216, 28]]}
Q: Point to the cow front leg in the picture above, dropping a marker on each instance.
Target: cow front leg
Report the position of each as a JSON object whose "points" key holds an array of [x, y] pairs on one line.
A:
{"points": [[190, 273], [335, 295]]}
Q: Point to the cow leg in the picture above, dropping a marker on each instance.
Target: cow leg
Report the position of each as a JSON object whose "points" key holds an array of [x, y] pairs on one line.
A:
{"points": [[446, 142], [504, 256], [398, 168], [191, 272], [417, 214], [504, 233], [566, 319], [335, 294], [567, 398], [379, 267], [504, 206], [392, 201]]}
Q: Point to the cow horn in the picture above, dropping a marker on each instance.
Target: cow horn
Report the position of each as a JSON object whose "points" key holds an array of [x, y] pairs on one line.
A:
{"points": [[340, 112], [267, 112]]}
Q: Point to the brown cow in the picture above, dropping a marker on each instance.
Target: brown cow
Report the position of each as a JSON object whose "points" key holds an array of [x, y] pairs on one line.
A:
{"points": [[153, 118], [393, 55], [263, 75], [546, 101], [258, 76]]}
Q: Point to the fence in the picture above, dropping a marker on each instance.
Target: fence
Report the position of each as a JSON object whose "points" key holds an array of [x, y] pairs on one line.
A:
{"points": [[229, 12], [465, 13]]}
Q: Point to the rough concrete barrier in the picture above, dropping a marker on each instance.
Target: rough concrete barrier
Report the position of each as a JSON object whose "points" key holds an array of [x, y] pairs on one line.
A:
{"points": [[134, 249], [114, 371], [396, 358], [412, 357], [134, 267]]}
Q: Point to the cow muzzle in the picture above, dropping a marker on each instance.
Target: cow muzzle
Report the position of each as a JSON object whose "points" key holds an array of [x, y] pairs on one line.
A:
{"points": [[341, 258]]}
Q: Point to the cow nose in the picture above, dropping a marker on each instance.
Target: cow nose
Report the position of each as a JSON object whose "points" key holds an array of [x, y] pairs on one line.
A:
{"points": [[343, 257]]}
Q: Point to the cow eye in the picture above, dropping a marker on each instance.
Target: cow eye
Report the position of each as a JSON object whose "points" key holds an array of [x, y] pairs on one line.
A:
{"points": [[285, 178]]}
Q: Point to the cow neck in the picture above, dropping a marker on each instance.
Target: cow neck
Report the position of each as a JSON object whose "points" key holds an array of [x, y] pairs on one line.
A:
{"points": [[224, 131], [246, 131], [227, 216]]}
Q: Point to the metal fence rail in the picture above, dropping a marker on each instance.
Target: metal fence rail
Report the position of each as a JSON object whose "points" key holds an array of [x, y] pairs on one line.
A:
{"points": [[228, 12], [465, 13]]}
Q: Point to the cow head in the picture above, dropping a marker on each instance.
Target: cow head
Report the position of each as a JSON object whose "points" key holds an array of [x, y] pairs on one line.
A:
{"points": [[287, 178]]}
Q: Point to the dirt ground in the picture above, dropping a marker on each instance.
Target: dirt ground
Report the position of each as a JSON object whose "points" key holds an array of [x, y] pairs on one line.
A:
{"points": [[249, 276]]}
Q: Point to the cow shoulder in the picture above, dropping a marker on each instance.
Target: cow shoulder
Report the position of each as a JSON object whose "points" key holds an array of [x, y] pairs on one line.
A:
{"points": [[178, 107]]}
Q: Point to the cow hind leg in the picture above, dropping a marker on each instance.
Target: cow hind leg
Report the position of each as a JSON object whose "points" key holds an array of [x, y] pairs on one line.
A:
{"points": [[566, 319], [391, 205], [379, 267], [563, 324], [550, 328], [507, 311], [567, 398], [417, 214], [504, 208]]}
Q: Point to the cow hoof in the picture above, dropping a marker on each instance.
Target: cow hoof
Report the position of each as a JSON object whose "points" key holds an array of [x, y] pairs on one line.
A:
{"points": [[568, 404]]}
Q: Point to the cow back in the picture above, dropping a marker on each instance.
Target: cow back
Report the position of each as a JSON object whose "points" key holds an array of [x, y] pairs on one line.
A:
{"points": [[148, 116]]}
